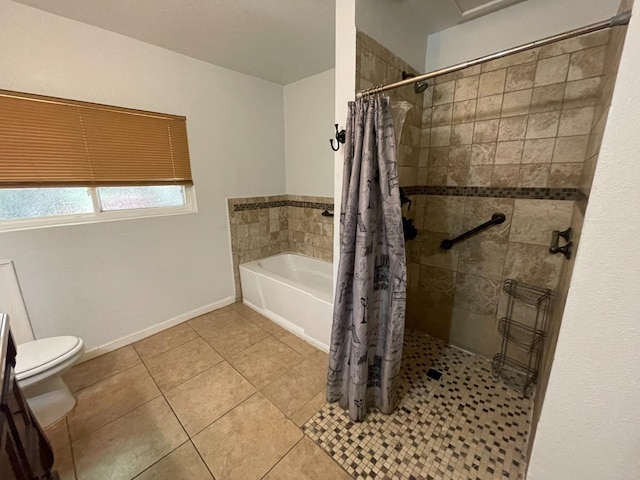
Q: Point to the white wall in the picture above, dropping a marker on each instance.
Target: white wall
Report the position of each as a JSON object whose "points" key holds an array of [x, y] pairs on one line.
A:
{"points": [[590, 423], [105, 281], [308, 126], [513, 26]]}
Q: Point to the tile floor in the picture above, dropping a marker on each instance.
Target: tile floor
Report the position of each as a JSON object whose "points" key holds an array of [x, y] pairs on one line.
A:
{"points": [[230, 395], [222, 396]]}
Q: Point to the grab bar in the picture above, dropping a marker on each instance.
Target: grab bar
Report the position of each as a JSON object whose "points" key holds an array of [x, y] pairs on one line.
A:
{"points": [[327, 213], [496, 219]]}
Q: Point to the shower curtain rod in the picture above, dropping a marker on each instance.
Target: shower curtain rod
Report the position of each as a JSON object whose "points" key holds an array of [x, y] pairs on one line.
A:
{"points": [[615, 21]]}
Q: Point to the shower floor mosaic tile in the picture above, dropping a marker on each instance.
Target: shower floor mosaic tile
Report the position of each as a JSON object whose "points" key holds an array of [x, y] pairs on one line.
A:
{"points": [[463, 426]]}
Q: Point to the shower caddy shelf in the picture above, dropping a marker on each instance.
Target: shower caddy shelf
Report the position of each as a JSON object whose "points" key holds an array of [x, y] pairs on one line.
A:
{"points": [[524, 334]]}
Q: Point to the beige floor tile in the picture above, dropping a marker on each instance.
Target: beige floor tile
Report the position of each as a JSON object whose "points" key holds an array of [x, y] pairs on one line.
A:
{"points": [[205, 398], [183, 463], [309, 409], [109, 399], [265, 323], [176, 366], [242, 309], [296, 343], [307, 461], [99, 368], [296, 387], [63, 463], [126, 447], [208, 324], [264, 361], [58, 434], [235, 337], [248, 441], [165, 340]]}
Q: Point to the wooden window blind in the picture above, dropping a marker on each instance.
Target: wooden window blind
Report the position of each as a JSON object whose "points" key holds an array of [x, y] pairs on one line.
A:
{"points": [[47, 142]]}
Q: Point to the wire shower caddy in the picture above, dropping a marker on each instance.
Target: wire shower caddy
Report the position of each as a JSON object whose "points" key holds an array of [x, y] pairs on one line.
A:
{"points": [[523, 330]]}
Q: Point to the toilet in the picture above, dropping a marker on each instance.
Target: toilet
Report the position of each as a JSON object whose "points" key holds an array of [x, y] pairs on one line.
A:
{"points": [[39, 363]]}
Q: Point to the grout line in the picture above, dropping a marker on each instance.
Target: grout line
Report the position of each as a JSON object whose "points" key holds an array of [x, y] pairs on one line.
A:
{"points": [[284, 455], [161, 458]]}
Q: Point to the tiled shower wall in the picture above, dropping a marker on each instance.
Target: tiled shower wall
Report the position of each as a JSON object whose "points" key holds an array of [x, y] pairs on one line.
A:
{"points": [[510, 136], [265, 226]]}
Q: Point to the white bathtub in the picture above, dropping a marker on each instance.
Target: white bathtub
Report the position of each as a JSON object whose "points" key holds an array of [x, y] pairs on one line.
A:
{"points": [[294, 291]]}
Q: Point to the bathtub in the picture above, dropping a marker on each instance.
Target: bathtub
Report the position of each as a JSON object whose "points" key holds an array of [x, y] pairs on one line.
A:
{"points": [[293, 291]]}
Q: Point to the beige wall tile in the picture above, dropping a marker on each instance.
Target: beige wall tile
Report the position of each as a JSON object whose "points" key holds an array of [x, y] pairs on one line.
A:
{"points": [[486, 131], [439, 156], [505, 175], [543, 125], [432, 255], [442, 115], [458, 175], [479, 210], [475, 332], [576, 121], [510, 60], [492, 83], [437, 176], [483, 153], [583, 93], [440, 136], [532, 264], [466, 88], [443, 93], [538, 150], [570, 149], [533, 175], [552, 70], [482, 256], [564, 175], [437, 285], [489, 107], [520, 77], [480, 176], [574, 44], [460, 155], [547, 98], [534, 220], [516, 103], [464, 111], [462, 134], [509, 152], [477, 294], [513, 128], [587, 63]]}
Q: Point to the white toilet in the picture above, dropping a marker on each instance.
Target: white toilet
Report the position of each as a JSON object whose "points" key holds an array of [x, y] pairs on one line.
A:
{"points": [[39, 363]]}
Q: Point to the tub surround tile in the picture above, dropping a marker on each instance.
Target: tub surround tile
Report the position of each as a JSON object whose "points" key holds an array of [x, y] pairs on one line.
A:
{"points": [[547, 98], [520, 77], [129, 445], [248, 441], [492, 83], [92, 371], [489, 107], [203, 399], [176, 366], [552, 70], [165, 340], [109, 399]]}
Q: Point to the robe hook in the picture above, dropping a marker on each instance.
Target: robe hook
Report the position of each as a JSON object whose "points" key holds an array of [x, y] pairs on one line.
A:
{"points": [[341, 137]]}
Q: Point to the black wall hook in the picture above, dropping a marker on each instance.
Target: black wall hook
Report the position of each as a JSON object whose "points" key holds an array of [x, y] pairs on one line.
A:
{"points": [[341, 137]]}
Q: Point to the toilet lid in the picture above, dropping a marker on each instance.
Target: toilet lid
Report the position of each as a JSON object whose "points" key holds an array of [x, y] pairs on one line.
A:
{"points": [[39, 355]]}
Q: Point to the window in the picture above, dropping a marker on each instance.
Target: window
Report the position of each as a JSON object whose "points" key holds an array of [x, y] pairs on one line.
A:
{"points": [[66, 161]]}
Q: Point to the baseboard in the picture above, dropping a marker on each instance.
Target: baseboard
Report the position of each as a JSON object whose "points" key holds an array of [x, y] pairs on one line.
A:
{"points": [[134, 337]]}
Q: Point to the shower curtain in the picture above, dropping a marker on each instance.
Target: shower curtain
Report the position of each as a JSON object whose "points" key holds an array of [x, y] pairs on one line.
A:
{"points": [[369, 306]]}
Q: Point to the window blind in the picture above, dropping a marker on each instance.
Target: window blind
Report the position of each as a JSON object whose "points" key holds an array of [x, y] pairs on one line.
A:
{"points": [[47, 141]]}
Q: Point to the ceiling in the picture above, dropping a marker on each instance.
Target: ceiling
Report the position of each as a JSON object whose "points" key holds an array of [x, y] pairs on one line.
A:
{"points": [[278, 40]]}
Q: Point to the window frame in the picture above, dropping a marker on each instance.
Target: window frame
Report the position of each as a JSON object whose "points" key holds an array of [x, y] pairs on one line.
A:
{"points": [[98, 216]]}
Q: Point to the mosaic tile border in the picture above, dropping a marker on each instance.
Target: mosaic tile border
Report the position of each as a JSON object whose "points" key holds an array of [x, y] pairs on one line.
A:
{"points": [[497, 192], [282, 203]]}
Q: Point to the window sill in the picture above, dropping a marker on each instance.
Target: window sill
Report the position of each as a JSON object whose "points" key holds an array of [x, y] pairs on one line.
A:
{"points": [[112, 216]]}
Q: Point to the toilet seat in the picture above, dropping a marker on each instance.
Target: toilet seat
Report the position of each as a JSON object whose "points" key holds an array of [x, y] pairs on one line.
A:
{"points": [[41, 355]]}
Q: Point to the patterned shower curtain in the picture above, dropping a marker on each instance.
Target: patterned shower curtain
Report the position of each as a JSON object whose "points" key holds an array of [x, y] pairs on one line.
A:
{"points": [[369, 307]]}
